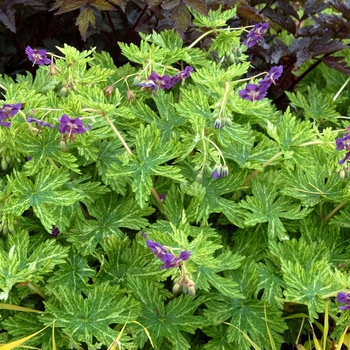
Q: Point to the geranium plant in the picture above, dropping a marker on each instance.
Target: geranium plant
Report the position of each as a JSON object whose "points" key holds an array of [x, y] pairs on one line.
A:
{"points": [[168, 203]]}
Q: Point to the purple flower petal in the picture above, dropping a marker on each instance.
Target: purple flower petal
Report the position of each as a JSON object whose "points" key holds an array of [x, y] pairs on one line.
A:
{"points": [[40, 122], [71, 126], [37, 56], [256, 34]]}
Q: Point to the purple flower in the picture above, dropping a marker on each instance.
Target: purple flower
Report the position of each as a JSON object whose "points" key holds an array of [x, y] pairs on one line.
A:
{"points": [[344, 298], [169, 260], [40, 122], [255, 34], [162, 196], [71, 126], [273, 75], [164, 82], [343, 143], [253, 92], [37, 56], [149, 84], [55, 231], [181, 75], [7, 111]]}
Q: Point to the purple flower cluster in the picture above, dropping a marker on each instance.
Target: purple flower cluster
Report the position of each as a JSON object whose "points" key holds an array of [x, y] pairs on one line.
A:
{"points": [[256, 34], [344, 298], [7, 111], [165, 82], [344, 143], [37, 56], [169, 260], [256, 92]]}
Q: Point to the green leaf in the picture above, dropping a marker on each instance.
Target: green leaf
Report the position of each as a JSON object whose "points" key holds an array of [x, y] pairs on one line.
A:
{"points": [[206, 197], [316, 105], [127, 260], [267, 205], [150, 155], [306, 273], [85, 318], [165, 321], [45, 190], [214, 18], [271, 283], [18, 263], [111, 213], [247, 314], [43, 148], [74, 273]]}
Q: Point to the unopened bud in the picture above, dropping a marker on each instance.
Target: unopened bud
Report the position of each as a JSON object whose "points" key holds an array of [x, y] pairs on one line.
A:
{"points": [[347, 172], [63, 144], [341, 174], [191, 288], [137, 80], [108, 90], [54, 69], [224, 171], [64, 91], [4, 164], [199, 177], [5, 228], [218, 123], [130, 95], [177, 288], [217, 171]]}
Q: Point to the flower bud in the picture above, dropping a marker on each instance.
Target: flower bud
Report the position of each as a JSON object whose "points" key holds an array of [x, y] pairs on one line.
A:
{"points": [[224, 171], [64, 91], [347, 172], [137, 80], [108, 90], [341, 174], [63, 145], [130, 95], [199, 177], [191, 288], [4, 164], [177, 288], [217, 171], [54, 69], [218, 123]]}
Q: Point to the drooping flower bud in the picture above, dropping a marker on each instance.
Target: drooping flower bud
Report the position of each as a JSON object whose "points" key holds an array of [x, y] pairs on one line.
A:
{"points": [[217, 171], [218, 123], [108, 90], [341, 174], [177, 288], [130, 95], [224, 171], [191, 288]]}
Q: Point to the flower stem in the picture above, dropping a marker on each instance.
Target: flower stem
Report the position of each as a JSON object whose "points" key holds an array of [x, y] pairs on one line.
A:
{"points": [[120, 137], [326, 219]]}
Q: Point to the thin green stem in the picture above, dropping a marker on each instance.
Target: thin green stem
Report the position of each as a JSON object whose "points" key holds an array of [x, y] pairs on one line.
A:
{"points": [[35, 289], [224, 99], [218, 149], [256, 172], [341, 89], [326, 219], [120, 137]]}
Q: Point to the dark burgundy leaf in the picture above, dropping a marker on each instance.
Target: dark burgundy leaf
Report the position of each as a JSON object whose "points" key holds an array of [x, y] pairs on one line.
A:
{"points": [[287, 9], [336, 63], [7, 16], [198, 5], [341, 6], [312, 7], [250, 13], [277, 16], [170, 4], [181, 17]]}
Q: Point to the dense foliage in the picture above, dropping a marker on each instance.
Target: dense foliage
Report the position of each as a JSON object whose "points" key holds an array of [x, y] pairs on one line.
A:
{"points": [[195, 197]]}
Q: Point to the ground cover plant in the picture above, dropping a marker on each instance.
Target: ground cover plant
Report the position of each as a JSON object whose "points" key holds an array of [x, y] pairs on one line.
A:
{"points": [[195, 197]]}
